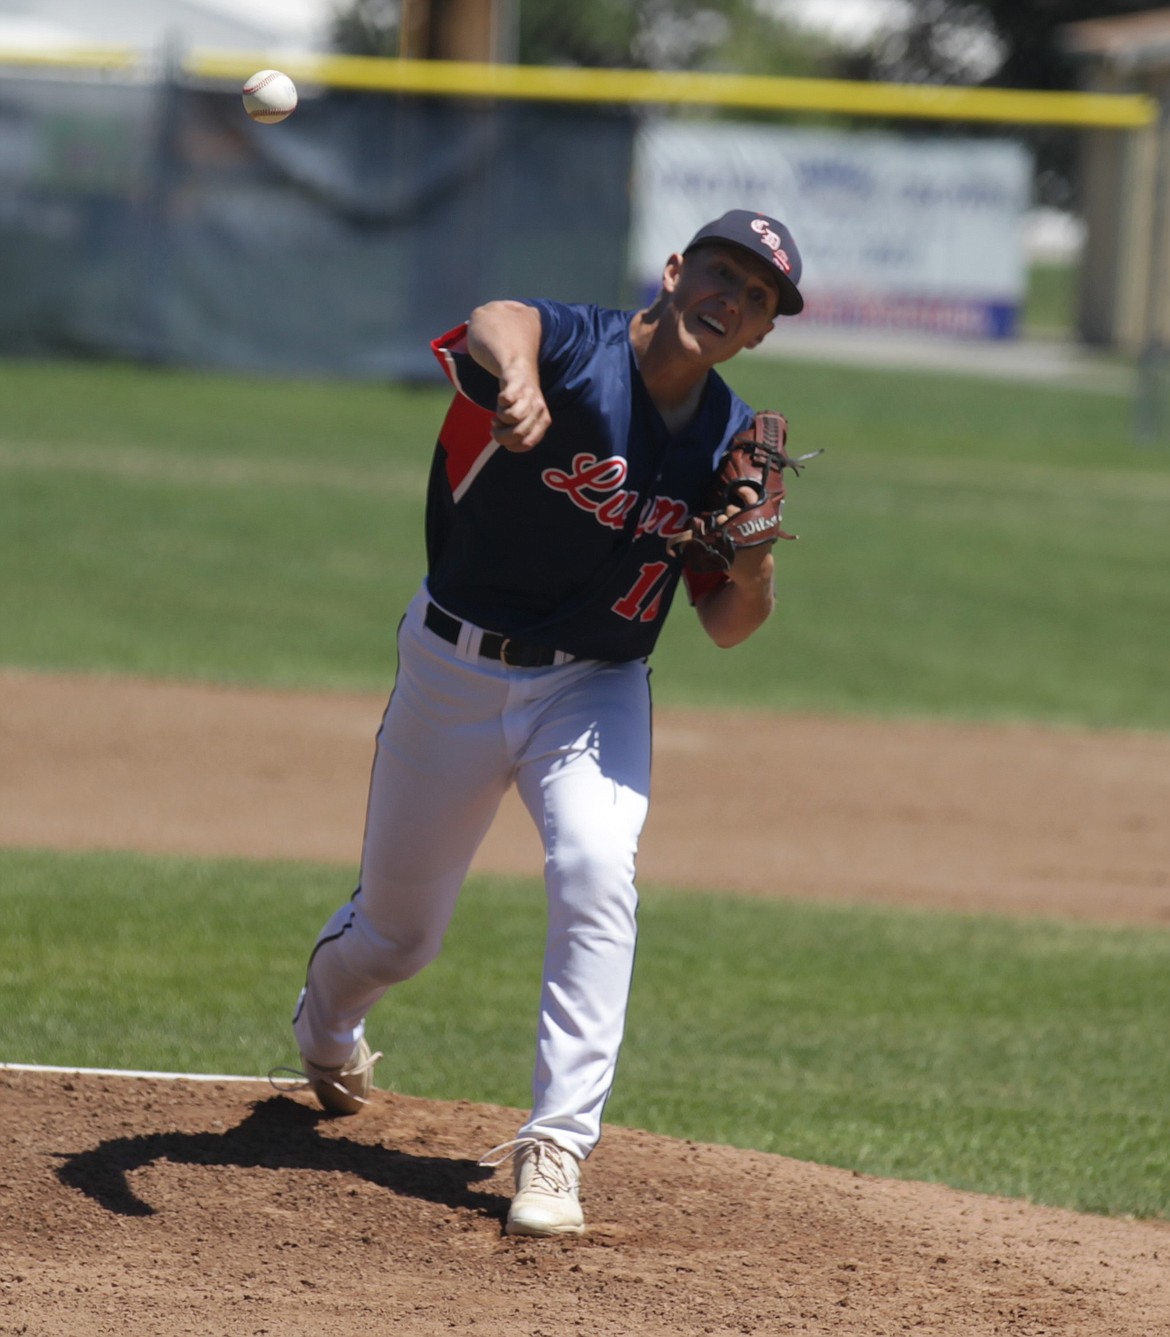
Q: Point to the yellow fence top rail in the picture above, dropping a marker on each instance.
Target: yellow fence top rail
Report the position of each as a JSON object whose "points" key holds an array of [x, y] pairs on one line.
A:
{"points": [[680, 88], [465, 79], [97, 58], [675, 88]]}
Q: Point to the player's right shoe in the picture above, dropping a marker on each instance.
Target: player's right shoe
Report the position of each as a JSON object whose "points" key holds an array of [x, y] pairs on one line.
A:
{"points": [[547, 1180], [343, 1090]]}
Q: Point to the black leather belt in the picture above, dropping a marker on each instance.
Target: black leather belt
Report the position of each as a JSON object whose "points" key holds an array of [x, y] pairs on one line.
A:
{"points": [[492, 645]]}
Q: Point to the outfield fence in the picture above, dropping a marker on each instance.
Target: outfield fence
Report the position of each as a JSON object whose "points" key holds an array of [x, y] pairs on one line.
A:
{"points": [[145, 217]]}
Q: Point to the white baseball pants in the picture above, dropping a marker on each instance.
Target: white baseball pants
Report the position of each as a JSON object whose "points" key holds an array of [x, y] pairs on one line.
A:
{"points": [[459, 729]]}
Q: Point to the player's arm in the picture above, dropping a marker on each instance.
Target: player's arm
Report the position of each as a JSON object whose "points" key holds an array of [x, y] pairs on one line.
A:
{"points": [[731, 611], [504, 338]]}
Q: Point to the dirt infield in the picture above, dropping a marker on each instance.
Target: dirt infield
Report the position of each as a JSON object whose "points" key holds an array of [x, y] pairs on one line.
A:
{"points": [[142, 1206], [1018, 820]]}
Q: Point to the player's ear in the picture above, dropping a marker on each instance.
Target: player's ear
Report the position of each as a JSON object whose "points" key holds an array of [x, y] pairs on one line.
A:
{"points": [[759, 339], [672, 272]]}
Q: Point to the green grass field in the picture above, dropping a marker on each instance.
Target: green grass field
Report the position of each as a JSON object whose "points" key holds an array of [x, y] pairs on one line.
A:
{"points": [[970, 550]]}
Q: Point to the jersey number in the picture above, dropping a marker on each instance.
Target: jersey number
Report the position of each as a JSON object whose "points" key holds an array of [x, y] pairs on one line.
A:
{"points": [[641, 603]]}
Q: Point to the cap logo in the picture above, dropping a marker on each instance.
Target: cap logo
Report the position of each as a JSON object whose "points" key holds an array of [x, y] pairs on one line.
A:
{"points": [[772, 241]]}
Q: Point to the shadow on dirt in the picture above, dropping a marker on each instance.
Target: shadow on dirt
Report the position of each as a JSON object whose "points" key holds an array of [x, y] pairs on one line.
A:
{"points": [[278, 1134]]}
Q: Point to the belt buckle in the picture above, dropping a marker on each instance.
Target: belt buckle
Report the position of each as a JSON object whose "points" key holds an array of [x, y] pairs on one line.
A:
{"points": [[507, 640]]}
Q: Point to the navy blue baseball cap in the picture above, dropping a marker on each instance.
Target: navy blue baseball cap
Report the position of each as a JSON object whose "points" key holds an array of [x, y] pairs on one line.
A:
{"points": [[768, 240]]}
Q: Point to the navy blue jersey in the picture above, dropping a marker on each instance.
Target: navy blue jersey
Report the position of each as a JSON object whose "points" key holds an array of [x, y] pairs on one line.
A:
{"points": [[566, 544]]}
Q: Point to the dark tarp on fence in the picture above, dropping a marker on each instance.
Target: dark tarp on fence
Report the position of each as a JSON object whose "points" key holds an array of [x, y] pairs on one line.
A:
{"points": [[160, 224]]}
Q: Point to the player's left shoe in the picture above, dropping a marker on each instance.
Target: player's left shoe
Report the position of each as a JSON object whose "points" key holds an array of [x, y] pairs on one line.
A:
{"points": [[342, 1090], [548, 1180]]}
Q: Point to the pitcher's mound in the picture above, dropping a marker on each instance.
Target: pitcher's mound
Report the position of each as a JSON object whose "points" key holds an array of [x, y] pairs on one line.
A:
{"points": [[143, 1206]]}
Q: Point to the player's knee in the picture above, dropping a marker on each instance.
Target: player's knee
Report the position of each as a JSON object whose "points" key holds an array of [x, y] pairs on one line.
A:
{"points": [[593, 890], [390, 956], [589, 864], [412, 955]]}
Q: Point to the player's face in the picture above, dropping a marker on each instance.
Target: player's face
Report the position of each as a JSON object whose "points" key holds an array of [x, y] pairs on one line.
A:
{"points": [[725, 299]]}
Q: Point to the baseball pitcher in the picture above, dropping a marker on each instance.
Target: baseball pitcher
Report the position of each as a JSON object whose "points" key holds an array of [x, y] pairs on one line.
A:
{"points": [[589, 461]]}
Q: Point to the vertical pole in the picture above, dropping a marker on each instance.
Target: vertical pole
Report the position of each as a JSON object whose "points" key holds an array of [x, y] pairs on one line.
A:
{"points": [[1149, 406], [466, 30], [154, 293], [414, 30], [475, 30]]}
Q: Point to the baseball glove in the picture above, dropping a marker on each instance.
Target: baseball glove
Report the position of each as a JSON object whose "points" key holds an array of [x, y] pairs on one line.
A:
{"points": [[745, 501]]}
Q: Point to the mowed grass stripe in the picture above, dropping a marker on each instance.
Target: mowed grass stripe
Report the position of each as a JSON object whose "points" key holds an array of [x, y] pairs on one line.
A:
{"points": [[147, 464], [968, 549]]}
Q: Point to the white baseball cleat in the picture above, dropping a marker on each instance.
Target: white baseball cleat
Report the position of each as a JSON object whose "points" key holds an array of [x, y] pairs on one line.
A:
{"points": [[343, 1090], [547, 1180]]}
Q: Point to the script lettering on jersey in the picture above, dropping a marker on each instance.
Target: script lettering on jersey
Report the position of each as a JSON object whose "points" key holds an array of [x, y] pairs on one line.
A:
{"points": [[595, 485]]}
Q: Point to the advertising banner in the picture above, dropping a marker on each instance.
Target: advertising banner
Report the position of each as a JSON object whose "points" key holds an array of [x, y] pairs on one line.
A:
{"points": [[895, 233]]}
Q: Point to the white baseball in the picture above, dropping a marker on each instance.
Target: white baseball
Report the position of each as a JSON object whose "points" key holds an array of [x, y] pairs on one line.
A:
{"points": [[270, 96]]}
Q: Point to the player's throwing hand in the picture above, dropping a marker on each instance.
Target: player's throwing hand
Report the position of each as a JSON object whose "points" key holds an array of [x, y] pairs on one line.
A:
{"points": [[522, 416], [504, 337]]}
